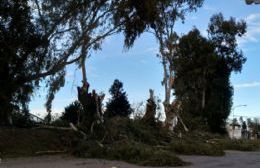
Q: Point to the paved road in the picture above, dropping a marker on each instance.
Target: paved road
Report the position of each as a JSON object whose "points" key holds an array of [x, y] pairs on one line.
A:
{"points": [[231, 160]]}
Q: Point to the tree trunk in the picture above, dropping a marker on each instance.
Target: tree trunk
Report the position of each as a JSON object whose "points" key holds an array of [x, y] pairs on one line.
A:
{"points": [[169, 113], [203, 102], [84, 73]]}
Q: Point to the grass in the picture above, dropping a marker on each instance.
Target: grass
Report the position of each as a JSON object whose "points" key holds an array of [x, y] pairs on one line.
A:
{"points": [[27, 142]]}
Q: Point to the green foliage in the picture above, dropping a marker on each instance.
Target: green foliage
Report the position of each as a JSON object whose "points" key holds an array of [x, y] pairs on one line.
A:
{"points": [[163, 158], [129, 151], [203, 67], [198, 143], [73, 113], [64, 29], [118, 105], [192, 147], [22, 120], [123, 128], [138, 16], [22, 55], [240, 145], [129, 141]]}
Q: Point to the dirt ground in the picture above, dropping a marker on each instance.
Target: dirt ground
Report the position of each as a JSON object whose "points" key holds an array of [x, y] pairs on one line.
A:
{"points": [[233, 159]]}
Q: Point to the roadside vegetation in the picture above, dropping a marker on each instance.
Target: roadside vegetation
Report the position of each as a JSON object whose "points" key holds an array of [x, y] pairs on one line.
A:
{"points": [[39, 39]]}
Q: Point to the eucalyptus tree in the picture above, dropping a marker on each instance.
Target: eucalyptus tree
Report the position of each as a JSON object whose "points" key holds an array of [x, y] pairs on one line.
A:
{"points": [[72, 30], [170, 12], [76, 28]]}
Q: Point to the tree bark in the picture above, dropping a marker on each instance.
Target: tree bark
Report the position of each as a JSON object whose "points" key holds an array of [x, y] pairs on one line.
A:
{"points": [[203, 102], [84, 73]]}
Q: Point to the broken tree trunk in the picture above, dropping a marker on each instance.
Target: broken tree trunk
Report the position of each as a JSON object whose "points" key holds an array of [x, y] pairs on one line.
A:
{"points": [[149, 117], [91, 102]]}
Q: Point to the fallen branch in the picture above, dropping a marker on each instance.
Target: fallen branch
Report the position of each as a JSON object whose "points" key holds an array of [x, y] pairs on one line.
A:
{"points": [[49, 152], [74, 128], [53, 127]]}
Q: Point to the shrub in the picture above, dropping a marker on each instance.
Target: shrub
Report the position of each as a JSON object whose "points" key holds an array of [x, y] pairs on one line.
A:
{"points": [[196, 148], [72, 113], [241, 145]]}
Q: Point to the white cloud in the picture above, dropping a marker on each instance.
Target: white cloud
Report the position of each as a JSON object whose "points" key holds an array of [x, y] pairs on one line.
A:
{"points": [[209, 8], [247, 85], [65, 100], [194, 18], [252, 18], [253, 30], [41, 112], [153, 50]]}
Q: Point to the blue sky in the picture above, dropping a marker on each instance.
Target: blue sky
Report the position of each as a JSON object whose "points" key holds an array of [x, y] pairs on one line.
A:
{"points": [[139, 68]]}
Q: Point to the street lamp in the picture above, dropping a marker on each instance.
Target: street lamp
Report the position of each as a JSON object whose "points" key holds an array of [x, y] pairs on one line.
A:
{"points": [[249, 2], [233, 110]]}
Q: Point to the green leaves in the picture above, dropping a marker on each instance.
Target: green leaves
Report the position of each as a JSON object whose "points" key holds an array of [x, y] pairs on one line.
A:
{"points": [[203, 67]]}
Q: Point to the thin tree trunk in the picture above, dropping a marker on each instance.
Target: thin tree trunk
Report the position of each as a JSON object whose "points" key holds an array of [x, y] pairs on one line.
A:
{"points": [[169, 113], [84, 73], [203, 102]]}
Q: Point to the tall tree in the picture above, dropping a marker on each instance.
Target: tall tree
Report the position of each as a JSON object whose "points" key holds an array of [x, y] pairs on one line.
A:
{"points": [[22, 54], [203, 68], [76, 28], [73, 29], [170, 12], [118, 105]]}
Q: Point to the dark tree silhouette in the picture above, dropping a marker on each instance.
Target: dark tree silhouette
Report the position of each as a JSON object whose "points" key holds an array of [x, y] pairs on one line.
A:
{"points": [[118, 105], [73, 113], [22, 54], [203, 67]]}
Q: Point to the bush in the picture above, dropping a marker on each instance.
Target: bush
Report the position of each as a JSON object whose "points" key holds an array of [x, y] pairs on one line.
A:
{"points": [[196, 148], [241, 145], [118, 128], [72, 113]]}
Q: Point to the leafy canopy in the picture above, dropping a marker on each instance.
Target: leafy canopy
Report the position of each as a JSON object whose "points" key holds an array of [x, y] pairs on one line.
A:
{"points": [[203, 67], [22, 55]]}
